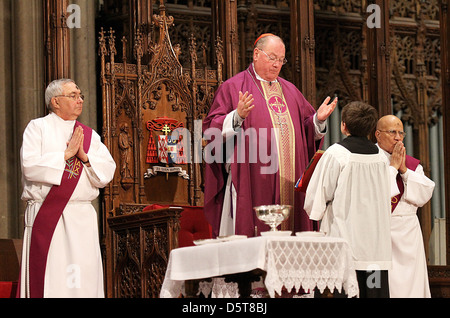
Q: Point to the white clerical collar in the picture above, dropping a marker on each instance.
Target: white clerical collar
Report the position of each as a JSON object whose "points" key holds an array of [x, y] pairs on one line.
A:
{"points": [[262, 79]]}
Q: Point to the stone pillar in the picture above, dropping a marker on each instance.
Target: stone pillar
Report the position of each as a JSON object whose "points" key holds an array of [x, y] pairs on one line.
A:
{"points": [[83, 56], [57, 42], [21, 90]]}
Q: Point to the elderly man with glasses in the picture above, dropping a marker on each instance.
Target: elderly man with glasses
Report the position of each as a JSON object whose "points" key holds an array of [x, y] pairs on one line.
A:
{"points": [[64, 163], [408, 276], [268, 123]]}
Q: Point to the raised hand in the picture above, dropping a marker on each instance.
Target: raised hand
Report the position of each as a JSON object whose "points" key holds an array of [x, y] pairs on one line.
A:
{"points": [[245, 104], [326, 109]]}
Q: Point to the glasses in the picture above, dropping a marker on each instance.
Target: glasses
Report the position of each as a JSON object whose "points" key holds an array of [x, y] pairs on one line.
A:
{"points": [[273, 59], [73, 97], [394, 133]]}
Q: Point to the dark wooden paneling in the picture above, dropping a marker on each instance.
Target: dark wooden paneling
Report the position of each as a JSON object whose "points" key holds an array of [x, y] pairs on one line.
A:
{"points": [[10, 256]]}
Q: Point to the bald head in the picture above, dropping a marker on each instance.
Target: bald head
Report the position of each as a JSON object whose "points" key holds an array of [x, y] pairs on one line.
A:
{"points": [[389, 132], [263, 40], [390, 121]]}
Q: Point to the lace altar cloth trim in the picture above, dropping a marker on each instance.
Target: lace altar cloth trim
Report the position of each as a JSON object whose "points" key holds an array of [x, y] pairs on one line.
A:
{"points": [[218, 288], [214, 288], [309, 265]]}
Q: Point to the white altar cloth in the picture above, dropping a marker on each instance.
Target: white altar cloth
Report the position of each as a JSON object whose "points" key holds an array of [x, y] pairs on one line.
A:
{"points": [[289, 261]]}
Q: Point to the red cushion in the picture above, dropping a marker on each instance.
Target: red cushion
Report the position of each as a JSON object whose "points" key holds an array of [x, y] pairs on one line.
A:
{"points": [[154, 207], [8, 289], [193, 224]]}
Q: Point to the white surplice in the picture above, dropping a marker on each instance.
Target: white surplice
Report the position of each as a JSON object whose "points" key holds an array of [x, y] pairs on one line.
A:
{"points": [[351, 194], [409, 275], [74, 263]]}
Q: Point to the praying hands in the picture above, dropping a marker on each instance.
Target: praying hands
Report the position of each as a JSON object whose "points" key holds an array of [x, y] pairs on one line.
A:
{"points": [[75, 146], [398, 157]]}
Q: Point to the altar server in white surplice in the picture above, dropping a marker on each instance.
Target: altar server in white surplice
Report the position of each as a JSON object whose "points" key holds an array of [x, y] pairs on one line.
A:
{"points": [[350, 192], [408, 276], [64, 163]]}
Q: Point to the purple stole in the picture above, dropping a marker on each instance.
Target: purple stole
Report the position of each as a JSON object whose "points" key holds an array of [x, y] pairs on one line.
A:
{"points": [[411, 163], [48, 216], [281, 119]]}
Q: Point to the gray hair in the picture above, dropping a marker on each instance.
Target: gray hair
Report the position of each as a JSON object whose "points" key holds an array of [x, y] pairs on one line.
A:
{"points": [[53, 89], [263, 41]]}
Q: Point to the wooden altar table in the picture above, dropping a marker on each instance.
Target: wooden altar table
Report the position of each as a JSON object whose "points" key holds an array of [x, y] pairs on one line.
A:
{"points": [[306, 262]]}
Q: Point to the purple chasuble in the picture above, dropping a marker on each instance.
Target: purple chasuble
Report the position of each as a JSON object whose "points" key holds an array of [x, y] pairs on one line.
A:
{"points": [[48, 216], [254, 188], [411, 163]]}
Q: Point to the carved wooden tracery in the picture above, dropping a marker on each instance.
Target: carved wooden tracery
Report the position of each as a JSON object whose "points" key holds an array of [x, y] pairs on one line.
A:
{"points": [[142, 100]]}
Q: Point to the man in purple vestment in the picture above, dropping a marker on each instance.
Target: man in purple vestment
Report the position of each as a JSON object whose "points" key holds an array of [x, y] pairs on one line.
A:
{"points": [[273, 132]]}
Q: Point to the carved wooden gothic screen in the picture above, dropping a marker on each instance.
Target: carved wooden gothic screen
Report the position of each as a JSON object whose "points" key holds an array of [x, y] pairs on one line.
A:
{"points": [[148, 97], [143, 104]]}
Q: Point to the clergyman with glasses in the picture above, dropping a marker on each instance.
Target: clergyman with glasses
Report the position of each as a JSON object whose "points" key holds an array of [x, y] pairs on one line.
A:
{"points": [[64, 163], [408, 276], [269, 119]]}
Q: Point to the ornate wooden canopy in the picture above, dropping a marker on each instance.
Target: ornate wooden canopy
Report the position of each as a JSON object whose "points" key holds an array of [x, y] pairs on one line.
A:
{"points": [[143, 105]]}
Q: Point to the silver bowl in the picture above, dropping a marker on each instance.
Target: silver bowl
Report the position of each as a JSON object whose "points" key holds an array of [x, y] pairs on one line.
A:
{"points": [[273, 215]]}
